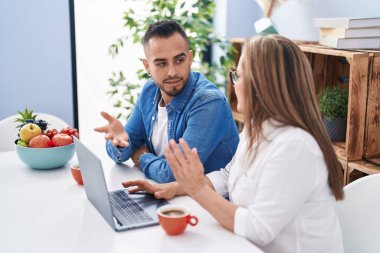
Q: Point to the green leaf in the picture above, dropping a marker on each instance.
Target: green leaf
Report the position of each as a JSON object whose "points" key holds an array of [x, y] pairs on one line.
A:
{"points": [[333, 102], [222, 60]]}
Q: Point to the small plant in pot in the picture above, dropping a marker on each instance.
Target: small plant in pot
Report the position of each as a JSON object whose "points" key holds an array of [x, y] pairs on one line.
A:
{"points": [[333, 103]]}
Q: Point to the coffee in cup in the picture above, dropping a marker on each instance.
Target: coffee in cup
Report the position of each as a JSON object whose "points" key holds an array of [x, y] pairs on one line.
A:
{"points": [[173, 213], [174, 219]]}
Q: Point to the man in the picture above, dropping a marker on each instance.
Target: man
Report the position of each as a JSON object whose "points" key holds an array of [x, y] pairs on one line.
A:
{"points": [[175, 103]]}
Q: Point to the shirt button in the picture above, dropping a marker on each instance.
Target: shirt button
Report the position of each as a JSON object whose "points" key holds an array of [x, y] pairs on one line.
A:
{"points": [[153, 118]]}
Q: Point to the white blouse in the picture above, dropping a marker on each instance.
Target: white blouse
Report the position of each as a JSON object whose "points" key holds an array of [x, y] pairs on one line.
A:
{"points": [[285, 203]]}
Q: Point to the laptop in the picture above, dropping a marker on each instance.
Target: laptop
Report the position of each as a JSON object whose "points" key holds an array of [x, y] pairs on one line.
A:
{"points": [[122, 211]]}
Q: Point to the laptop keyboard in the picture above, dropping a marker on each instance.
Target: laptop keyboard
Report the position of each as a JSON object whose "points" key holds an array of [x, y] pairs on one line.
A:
{"points": [[126, 210]]}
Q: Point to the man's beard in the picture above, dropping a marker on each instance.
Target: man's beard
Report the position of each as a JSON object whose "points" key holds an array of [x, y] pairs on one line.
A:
{"points": [[174, 91]]}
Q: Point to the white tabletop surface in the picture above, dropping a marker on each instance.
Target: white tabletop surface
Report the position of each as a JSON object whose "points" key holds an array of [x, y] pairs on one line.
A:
{"points": [[46, 211]]}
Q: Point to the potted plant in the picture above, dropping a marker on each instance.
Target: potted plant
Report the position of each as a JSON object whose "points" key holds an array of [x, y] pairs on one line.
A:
{"points": [[333, 103]]}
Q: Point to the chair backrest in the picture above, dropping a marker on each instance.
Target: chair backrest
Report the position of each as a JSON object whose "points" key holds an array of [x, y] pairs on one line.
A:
{"points": [[8, 130], [359, 215]]}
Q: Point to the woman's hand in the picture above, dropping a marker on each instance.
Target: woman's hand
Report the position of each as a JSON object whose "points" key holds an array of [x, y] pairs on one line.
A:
{"points": [[160, 191], [186, 166], [188, 171]]}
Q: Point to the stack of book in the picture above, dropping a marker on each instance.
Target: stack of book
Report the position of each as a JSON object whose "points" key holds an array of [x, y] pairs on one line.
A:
{"points": [[349, 33]]}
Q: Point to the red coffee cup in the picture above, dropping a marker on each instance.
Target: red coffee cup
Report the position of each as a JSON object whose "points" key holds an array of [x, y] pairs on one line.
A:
{"points": [[75, 172], [174, 219]]}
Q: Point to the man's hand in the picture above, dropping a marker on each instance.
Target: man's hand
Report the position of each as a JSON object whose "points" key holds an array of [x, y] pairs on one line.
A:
{"points": [[136, 155], [160, 191], [114, 131]]}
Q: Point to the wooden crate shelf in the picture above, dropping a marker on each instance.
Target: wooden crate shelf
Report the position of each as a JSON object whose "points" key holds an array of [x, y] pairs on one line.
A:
{"points": [[335, 67], [359, 73], [359, 169], [372, 130], [340, 150], [375, 161], [356, 169]]}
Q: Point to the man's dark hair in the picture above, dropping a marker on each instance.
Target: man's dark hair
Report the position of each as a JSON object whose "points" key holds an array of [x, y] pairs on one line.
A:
{"points": [[164, 29]]}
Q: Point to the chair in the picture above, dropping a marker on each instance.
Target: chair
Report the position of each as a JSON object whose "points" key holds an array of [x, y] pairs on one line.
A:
{"points": [[8, 130], [359, 215]]}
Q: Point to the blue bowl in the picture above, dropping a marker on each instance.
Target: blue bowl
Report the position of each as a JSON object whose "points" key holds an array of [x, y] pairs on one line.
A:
{"points": [[45, 158]]}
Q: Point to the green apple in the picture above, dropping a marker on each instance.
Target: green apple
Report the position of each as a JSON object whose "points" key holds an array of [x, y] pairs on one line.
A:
{"points": [[28, 131], [22, 144]]}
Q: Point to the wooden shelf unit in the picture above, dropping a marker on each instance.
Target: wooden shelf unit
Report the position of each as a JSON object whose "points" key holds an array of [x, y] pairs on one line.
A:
{"points": [[372, 129], [359, 73], [355, 169], [336, 67]]}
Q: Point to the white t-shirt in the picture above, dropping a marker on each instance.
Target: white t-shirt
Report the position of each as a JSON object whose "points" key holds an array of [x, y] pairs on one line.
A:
{"points": [[285, 203], [160, 131]]}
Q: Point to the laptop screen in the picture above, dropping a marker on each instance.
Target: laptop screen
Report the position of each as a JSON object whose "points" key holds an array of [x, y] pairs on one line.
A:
{"points": [[94, 182]]}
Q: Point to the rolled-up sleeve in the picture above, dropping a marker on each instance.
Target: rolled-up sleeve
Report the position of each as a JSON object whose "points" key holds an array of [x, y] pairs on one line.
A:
{"points": [[119, 155], [219, 179]]}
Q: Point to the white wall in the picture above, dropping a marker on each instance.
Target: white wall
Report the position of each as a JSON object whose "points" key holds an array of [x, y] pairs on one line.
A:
{"points": [[236, 18], [293, 19], [98, 24], [35, 58]]}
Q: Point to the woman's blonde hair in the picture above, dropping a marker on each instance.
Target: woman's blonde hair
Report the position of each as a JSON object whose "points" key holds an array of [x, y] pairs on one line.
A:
{"points": [[279, 84]]}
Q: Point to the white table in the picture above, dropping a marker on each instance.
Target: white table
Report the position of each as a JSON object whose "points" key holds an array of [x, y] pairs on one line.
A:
{"points": [[46, 211]]}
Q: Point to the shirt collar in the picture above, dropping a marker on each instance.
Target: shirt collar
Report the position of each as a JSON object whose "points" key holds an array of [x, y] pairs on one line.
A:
{"points": [[269, 129]]}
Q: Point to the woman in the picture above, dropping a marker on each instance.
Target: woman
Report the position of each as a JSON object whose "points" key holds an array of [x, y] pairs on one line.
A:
{"points": [[284, 178]]}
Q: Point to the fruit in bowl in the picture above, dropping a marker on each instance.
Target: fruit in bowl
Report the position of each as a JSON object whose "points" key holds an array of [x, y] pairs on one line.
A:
{"points": [[61, 140], [40, 141], [28, 131], [45, 158], [43, 148]]}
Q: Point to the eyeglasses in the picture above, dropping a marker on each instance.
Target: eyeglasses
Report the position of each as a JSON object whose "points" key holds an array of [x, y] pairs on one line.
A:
{"points": [[234, 77]]}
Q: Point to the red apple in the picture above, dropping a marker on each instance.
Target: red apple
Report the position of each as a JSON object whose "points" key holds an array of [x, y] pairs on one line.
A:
{"points": [[40, 141], [61, 140]]}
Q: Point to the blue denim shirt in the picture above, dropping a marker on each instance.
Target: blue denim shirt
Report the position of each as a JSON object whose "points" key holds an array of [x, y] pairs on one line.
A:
{"points": [[200, 115]]}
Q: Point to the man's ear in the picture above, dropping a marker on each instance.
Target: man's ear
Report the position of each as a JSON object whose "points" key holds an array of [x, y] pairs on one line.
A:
{"points": [[146, 66]]}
